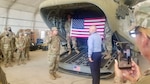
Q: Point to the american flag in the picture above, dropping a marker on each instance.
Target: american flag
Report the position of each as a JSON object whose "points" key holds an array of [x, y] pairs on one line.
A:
{"points": [[76, 68], [80, 27]]}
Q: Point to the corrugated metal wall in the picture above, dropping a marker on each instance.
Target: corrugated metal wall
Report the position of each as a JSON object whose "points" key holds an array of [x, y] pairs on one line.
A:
{"points": [[21, 20]]}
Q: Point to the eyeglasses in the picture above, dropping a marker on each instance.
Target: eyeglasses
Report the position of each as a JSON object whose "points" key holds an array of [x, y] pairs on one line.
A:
{"points": [[134, 31]]}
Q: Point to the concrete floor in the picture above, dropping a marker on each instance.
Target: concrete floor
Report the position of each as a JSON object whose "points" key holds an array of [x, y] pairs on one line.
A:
{"points": [[36, 72]]}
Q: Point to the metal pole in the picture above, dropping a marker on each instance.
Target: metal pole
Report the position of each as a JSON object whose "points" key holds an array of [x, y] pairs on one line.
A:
{"points": [[7, 12]]}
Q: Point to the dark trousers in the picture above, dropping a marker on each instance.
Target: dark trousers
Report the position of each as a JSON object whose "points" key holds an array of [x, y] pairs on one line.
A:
{"points": [[95, 67]]}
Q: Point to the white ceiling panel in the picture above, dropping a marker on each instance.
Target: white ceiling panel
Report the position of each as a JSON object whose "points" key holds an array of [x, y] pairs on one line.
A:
{"points": [[21, 15], [34, 3], [23, 5], [3, 12], [5, 3]]}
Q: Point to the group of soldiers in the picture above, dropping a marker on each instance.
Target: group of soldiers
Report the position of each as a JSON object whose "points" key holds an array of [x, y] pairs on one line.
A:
{"points": [[11, 43]]}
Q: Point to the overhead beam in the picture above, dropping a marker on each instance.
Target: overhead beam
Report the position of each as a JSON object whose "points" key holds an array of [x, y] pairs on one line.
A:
{"points": [[35, 14], [7, 12]]}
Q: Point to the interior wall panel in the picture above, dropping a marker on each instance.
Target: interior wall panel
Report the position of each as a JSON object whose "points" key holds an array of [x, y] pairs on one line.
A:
{"points": [[20, 14], [3, 13], [22, 20], [38, 17]]}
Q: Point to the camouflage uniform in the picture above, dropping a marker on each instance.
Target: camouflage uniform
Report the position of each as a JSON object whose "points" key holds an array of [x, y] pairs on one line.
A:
{"points": [[6, 46], [27, 40], [108, 41], [69, 39], [12, 35], [1, 36], [20, 45], [53, 55], [142, 18], [145, 79]]}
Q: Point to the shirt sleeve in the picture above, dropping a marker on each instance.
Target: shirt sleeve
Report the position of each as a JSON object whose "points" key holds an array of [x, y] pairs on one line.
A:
{"points": [[90, 46]]}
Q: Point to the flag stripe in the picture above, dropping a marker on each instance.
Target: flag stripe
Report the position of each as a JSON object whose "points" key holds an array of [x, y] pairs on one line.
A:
{"points": [[87, 30], [96, 20], [94, 23], [84, 36], [97, 26]]}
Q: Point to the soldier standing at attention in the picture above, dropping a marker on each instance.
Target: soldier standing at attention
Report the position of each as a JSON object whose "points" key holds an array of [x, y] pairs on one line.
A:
{"points": [[27, 40], [1, 36], [68, 38], [12, 35], [20, 45], [53, 53], [6, 46], [94, 54], [108, 41]]}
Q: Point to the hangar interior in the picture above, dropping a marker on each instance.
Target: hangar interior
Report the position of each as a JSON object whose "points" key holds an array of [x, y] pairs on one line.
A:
{"points": [[25, 14], [20, 14]]}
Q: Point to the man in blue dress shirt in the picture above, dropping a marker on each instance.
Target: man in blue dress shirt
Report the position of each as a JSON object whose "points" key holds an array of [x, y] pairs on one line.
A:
{"points": [[94, 54]]}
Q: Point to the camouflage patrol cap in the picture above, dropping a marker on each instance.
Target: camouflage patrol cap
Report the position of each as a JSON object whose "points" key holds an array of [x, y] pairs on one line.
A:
{"points": [[54, 28], [142, 14]]}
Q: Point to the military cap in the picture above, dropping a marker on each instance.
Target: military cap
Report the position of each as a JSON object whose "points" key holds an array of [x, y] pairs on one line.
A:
{"points": [[54, 28], [142, 14]]}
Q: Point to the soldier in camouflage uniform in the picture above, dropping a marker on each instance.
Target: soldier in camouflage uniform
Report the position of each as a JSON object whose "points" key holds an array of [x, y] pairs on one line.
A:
{"points": [[28, 41], [20, 45], [1, 36], [6, 46], [68, 38], [53, 53], [142, 40], [12, 35], [108, 41]]}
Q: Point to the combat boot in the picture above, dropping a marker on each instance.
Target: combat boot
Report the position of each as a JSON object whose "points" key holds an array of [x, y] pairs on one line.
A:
{"points": [[77, 51], [56, 75], [18, 62], [107, 56], [23, 62], [10, 64], [6, 65], [28, 59], [52, 76]]}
